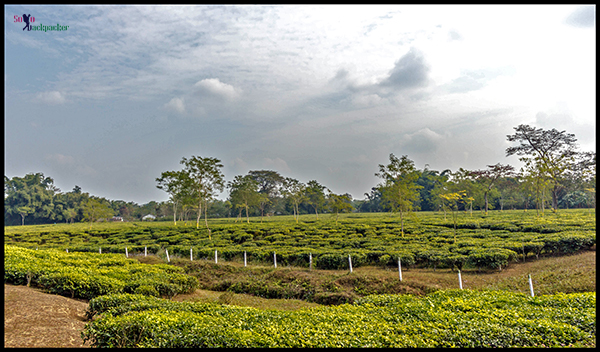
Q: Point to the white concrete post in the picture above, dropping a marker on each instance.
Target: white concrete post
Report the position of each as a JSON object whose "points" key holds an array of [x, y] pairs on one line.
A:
{"points": [[167, 252], [126, 253], [350, 263], [310, 261], [215, 255], [245, 262], [275, 259], [459, 280], [191, 256], [399, 269], [530, 285]]}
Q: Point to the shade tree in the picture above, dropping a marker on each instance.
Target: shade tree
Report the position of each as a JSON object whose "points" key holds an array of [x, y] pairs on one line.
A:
{"points": [[551, 152], [293, 191], [206, 179], [95, 209], [177, 184], [243, 193], [399, 188], [490, 177], [338, 203], [315, 195]]}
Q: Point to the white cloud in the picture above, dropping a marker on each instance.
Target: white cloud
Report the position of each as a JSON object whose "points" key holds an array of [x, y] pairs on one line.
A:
{"points": [[176, 104], [215, 87], [53, 97]]}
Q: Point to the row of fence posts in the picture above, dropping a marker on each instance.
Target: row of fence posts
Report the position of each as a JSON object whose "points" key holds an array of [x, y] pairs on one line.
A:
{"points": [[460, 285]]}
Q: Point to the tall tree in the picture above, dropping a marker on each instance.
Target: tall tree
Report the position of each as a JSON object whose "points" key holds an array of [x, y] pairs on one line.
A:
{"points": [[96, 209], [451, 201], [244, 193], [206, 179], [269, 184], [177, 185], [315, 195], [490, 176], [429, 180], [399, 188], [551, 151], [293, 190], [32, 194], [339, 203]]}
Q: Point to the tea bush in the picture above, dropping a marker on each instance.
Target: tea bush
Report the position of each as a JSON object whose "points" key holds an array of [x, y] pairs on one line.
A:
{"points": [[452, 318], [87, 275], [429, 239]]}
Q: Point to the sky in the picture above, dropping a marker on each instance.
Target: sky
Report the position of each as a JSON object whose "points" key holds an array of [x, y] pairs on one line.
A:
{"points": [[322, 93]]}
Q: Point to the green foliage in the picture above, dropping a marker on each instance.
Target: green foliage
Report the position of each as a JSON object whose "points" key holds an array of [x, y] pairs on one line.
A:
{"points": [[486, 242], [88, 275], [452, 318]]}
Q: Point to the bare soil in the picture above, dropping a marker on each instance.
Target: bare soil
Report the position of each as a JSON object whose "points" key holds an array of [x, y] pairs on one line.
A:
{"points": [[33, 318]]}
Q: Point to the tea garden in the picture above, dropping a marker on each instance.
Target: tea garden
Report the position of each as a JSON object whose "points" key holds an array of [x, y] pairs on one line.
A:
{"points": [[127, 310]]}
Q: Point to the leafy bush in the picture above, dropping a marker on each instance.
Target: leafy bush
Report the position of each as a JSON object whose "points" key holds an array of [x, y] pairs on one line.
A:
{"points": [[452, 318], [87, 275]]}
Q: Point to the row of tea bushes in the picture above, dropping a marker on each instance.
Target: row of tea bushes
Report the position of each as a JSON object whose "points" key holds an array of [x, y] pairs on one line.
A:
{"points": [[480, 250], [373, 239], [88, 275], [452, 318]]}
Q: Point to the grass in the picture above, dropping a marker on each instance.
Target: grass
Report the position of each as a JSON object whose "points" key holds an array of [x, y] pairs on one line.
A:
{"points": [[290, 288]]}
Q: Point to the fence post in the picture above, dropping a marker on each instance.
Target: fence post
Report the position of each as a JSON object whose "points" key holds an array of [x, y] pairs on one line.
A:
{"points": [[310, 261], [145, 251], [530, 285], [168, 259], [100, 250], [215, 256], [399, 269], [275, 259], [191, 255], [245, 262], [350, 262], [459, 280], [126, 253]]}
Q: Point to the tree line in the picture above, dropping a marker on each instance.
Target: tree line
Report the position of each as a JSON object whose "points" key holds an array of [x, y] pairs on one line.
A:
{"points": [[555, 175]]}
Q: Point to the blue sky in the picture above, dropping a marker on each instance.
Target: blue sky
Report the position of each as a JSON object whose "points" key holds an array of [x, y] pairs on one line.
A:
{"points": [[320, 93]]}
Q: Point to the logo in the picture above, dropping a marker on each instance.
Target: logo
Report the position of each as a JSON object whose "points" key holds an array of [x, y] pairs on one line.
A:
{"points": [[28, 19], [25, 18]]}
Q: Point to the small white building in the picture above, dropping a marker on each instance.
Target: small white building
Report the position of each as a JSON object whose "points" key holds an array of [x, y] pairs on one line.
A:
{"points": [[148, 217]]}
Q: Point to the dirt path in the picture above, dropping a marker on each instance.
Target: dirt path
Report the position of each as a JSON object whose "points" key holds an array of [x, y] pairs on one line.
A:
{"points": [[36, 319]]}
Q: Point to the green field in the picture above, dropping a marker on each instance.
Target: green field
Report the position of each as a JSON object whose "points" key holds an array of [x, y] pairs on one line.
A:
{"points": [[429, 239], [369, 307]]}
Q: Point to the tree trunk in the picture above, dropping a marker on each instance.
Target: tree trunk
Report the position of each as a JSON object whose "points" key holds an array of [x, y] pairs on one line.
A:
{"points": [[247, 218], [555, 197], [175, 214], [401, 223], [206, 215], [199, 213]]}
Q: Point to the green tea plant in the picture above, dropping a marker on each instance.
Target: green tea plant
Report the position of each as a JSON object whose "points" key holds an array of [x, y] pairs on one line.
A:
{"points": [[452, 318], [88, 275], [427, 239]]}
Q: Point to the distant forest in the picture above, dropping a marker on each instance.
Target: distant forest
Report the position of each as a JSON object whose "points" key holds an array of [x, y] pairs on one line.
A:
{"points": [[555, 175]]}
